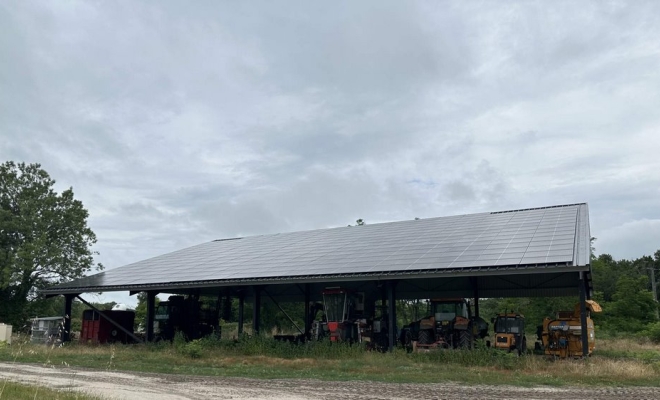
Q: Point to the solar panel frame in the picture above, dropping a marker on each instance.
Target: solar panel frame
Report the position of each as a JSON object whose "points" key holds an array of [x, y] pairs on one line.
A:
{"points": [[557, 235]]}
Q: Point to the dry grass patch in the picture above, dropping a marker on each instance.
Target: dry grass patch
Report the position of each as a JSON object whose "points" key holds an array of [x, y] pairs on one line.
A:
{"points": [[627, 345], [595, 367], [616, 369], [18, 391], [264, 359], [272, 362]]}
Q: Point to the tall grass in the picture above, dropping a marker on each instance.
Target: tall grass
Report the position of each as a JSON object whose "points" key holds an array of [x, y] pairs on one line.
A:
{"points": [[264, 357], [17, 391]]}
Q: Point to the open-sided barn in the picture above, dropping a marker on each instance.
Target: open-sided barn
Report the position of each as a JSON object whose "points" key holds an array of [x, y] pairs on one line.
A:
{"points": [[542, 251]]}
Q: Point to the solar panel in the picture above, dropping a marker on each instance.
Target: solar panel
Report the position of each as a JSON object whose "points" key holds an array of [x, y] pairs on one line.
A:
{"points": [[554, 235]]}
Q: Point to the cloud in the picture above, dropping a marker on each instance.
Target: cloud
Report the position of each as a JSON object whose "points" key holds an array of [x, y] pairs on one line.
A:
{"points": [[176, 124], [631, 240]]}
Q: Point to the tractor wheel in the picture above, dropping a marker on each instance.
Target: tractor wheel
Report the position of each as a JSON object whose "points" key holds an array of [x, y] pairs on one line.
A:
{"points": [[465, 339], [425, 336]]}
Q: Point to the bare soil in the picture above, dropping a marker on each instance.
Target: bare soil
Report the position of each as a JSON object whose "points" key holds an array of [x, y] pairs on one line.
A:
{"points": [[147, 386]]}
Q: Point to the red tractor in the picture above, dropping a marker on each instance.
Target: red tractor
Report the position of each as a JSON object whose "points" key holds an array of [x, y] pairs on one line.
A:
{"points": [[343, 314]]}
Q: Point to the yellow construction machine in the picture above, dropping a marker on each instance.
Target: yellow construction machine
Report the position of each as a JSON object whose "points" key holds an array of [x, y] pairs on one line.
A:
{"points": [[561, 337], [510, 332]]}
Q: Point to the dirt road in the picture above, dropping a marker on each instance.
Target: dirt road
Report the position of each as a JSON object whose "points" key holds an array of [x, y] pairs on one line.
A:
{"points": [[124, 385]]}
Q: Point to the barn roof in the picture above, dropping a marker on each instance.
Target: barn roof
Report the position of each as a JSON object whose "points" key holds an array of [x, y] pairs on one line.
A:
{"points": [[542, 240]]}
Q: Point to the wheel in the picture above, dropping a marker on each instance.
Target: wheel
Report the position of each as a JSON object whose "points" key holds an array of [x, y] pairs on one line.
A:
{"points": [[425, 336], [465, 339]]}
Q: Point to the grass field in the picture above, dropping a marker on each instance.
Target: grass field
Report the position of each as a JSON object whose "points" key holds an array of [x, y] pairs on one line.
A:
{"points": [[616, 362], [16, 391]]}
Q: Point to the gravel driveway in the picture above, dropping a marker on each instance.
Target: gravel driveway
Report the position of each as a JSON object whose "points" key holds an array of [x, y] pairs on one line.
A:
{"points": [[146, 386]]}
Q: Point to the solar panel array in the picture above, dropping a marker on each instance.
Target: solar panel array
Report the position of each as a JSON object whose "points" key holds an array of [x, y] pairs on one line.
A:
{"points": [[513, 238]]}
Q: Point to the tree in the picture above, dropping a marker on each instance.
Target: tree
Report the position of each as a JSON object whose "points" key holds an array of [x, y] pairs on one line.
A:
{"points": [[633, 306], [358, 222], [44, 238], [141, 310]]}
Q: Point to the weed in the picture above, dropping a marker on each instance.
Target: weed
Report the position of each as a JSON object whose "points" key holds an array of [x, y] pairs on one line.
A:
{"points": [[193, 349], [264, 357], [15, 391]]}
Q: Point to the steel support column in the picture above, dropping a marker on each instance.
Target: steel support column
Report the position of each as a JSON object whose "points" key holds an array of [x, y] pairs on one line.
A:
{"points": [[475, 288], [583, 315], [68, 304], [391, 314], [256, 309], [241, 311], [226, 307], [151, 313], [308, 318]]}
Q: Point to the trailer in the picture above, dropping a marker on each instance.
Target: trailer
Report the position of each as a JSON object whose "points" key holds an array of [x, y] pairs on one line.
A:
{"points": [[96, 328], [46, 330]]}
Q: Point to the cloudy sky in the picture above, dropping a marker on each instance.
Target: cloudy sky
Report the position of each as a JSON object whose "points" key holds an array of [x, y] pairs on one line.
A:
{"points": [[178, 123]]}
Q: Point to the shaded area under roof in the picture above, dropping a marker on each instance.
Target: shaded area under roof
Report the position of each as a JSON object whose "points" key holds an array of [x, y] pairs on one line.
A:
{"points": [[517, 243]]}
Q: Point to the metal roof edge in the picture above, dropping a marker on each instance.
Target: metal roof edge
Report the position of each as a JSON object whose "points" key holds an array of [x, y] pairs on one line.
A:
{"points": [[582, 249], [414, 274], [538, 208]]}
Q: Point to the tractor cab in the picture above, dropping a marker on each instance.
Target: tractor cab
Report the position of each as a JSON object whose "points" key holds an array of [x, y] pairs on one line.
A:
{"points": [[445, 311], [448, 326], [510, 332], [342, 308]]}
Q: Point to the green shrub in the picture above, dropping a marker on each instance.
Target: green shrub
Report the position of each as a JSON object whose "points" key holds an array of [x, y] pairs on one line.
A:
{"points": [[193, 349], [652, 331]]}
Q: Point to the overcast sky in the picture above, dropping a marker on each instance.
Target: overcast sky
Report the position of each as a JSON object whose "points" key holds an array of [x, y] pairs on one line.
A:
{"points": [[182, 122]]}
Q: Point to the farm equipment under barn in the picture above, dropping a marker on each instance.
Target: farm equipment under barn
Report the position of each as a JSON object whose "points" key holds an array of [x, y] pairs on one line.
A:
{"points": [[561, 336], [345, 319], [510, 332], [450, 325], [343, 315], [96, 328], [47, 330], [186, 315]]}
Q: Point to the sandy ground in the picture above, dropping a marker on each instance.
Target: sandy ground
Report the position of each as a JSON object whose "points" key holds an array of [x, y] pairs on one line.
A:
{"points": [[142, 386]]}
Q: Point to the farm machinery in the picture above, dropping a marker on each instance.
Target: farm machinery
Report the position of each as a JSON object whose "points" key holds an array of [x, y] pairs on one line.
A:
{"points": [[345, 320], [510, 332], [187, 315], [343, 311], [561, 337], [450, 325]]}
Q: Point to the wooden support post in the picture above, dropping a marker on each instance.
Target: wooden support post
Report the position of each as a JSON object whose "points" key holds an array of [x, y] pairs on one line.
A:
{"points": [[151, 313]]}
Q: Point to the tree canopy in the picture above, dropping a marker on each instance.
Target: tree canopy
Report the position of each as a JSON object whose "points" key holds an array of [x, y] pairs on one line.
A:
{"points": [[622, 287], [44, 238]]}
